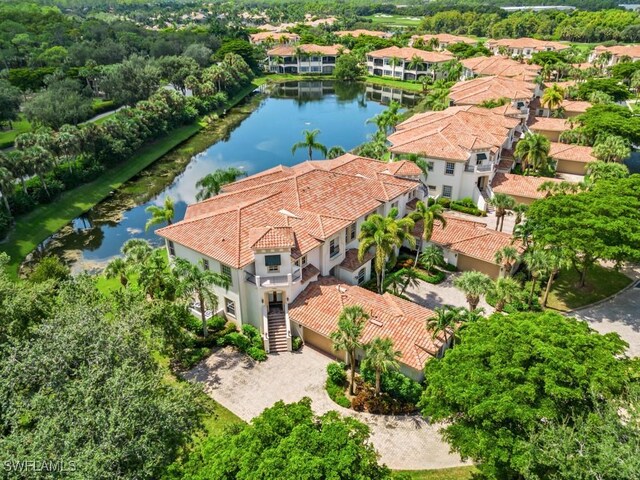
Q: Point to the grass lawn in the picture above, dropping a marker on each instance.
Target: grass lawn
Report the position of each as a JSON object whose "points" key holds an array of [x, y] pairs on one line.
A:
{"points": [[457, 473], [401, 84], [601, 283], [394, 20], [8, 136]]}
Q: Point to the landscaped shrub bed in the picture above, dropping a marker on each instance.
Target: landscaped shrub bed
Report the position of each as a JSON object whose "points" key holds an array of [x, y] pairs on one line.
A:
{"points": [[336, 384], [520, 303], [396, 384], [382, 404], [296, 343], [464, 205], [248, 341]]}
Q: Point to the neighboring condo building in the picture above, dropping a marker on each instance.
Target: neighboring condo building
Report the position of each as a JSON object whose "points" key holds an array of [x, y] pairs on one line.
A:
{"points": [[518, 93], [306, 58], [270, 38], [405, 63], [616, 53], [363, 33], [498, 66], [441, 41], [514, 47]]}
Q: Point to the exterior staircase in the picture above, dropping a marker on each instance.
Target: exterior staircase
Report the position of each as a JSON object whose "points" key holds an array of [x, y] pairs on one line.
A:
{"points": [[277, 332]]}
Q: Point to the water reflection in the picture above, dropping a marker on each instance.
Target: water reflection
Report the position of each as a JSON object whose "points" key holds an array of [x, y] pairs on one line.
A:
{"points": [[253, 136]]}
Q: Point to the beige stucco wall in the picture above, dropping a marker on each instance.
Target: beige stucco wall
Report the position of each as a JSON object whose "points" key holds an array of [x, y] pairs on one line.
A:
{"points": [[568, 166], [466, 263]]}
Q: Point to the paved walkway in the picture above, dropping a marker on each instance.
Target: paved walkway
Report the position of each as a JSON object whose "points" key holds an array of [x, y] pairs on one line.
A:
{"points": [[247, 388], [444, 293]]}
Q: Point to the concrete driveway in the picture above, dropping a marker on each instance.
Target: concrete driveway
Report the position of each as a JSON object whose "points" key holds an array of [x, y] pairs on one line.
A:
{"points": [[444, 293], [621, 314], [247, 388]]}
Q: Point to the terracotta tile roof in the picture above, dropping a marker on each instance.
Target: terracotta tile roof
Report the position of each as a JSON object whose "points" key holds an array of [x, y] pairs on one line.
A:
{"points": [[520, 185], [506, 163], [308, 272], [525, 42], [452, 134], [411, 204], [468, 237], [351, 261], [632, 51], [501, 66], [286, 207], [309, 48], [549, 124], [319, 305], [576, 106], [360, 32], [481, 89], [262, 36], [574, 153], [446, 38], [407, 53]]}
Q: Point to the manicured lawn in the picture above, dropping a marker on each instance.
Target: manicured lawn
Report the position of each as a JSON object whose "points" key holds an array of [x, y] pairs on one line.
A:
{"points": [[8, 136], [389, 82], [601, 283], [394, 20], [457, 473]]}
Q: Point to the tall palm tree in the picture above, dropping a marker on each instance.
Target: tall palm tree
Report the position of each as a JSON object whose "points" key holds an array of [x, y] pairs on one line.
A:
{"points": [[381, 357], [351, 323], [504, 290], [136, 251], [210, 185], [384, 234], [19, 166], [410, 277], [552, 97], [507, 257], [310, 143], [611, 148], [503, 204], [524, 232], [444, 321], [428, 216], [160, 214], [473, 284], [394, 62], [198, 281], [533, 151], [118, 267], [557, 259], [537, 261], [40, 162], [335, 152], [6, 187], [432, 256], [415, 63]]}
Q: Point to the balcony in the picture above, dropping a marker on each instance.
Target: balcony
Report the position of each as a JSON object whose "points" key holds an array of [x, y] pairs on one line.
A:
{"points": [[488, 167], [273, 280]]}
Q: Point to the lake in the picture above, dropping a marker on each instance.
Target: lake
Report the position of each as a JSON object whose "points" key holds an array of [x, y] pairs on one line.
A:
{"points": [[256, 135]]}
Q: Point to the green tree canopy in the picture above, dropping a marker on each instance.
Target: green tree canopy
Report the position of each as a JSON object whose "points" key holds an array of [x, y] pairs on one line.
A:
{"points": [[607, 119], [511, 374], [348, 67]]}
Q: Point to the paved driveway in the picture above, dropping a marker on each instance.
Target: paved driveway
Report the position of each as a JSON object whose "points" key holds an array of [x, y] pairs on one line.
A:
{"points": [[444, 293], [247, 388], [620, 314]]}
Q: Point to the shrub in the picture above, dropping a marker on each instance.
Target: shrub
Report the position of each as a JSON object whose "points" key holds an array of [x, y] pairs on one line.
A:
{"points": [[237, 340], [396, 384], [336, 393], [5, 224], [257, 354], [468, 209], [450, 267], [296, 343], [337, 373], [445, 202], [216, 323]]}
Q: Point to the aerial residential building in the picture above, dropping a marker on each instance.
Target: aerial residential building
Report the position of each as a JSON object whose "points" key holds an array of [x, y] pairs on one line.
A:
{"points": [[270, 38], [361, 32], [523, 188], [514, 47], [498, 66], [441, 41], [405, 63], [570, 108], [306, 58], [616, 53], [519, 93], [462, 147], [277, 232], [549, 127], [571, 159]]}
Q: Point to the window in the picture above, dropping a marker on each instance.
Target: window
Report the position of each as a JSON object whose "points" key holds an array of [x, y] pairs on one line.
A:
{"points": [[361, 275], [430, 166], [394, 205], [205, 264], [272, 263], [432, 188], [446, 191], [226, 270], [230, 307], [350, 233], [480, 157], [303, 261], [449, 168], [172, 249], [334, 248]]}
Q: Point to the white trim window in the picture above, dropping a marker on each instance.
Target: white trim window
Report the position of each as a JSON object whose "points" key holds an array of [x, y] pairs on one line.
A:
{"points": [[229, 307], [172, 249], [450, 168], [334, 248], [205, 264], [226, 270], [447, 191]]}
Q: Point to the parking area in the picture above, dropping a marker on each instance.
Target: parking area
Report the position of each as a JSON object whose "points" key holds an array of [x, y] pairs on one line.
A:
{"points": [[444, 293]]}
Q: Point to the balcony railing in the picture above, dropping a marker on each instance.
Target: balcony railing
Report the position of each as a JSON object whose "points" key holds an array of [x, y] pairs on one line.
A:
{"points": [[297, 274], [272, 281], [250, 277], [479, 168]]}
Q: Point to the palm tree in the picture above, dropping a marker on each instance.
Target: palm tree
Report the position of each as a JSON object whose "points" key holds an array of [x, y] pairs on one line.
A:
{"points": [[19, 166], [533, 151], [557, 259], [310, 143], [507, 257], [415, 63], [523, 232], [552, 97], [394, 62], [602, 170], [6, 186], [611, 148], [520, 210], [634, 82], [160, 214], [335, 152], [473, 284], [351, 323], [538, 263], [136, 251], [384, 234], [410, 277], [432, 256], [444, 322], [118, 267], [40, 162], [504, 290], [428, 216], [211, 184], [199, 282], [381, 357], [503, 203]]}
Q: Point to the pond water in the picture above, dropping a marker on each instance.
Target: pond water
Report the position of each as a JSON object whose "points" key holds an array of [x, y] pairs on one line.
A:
{"points": [[254, 136]]}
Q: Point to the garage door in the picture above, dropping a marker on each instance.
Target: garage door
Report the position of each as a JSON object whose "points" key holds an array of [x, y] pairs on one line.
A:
{"points": [[318, 341], [466, 263]]}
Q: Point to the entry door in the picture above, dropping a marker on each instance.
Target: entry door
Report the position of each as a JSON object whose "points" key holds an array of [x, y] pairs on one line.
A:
{"points": [[275, 300]]}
